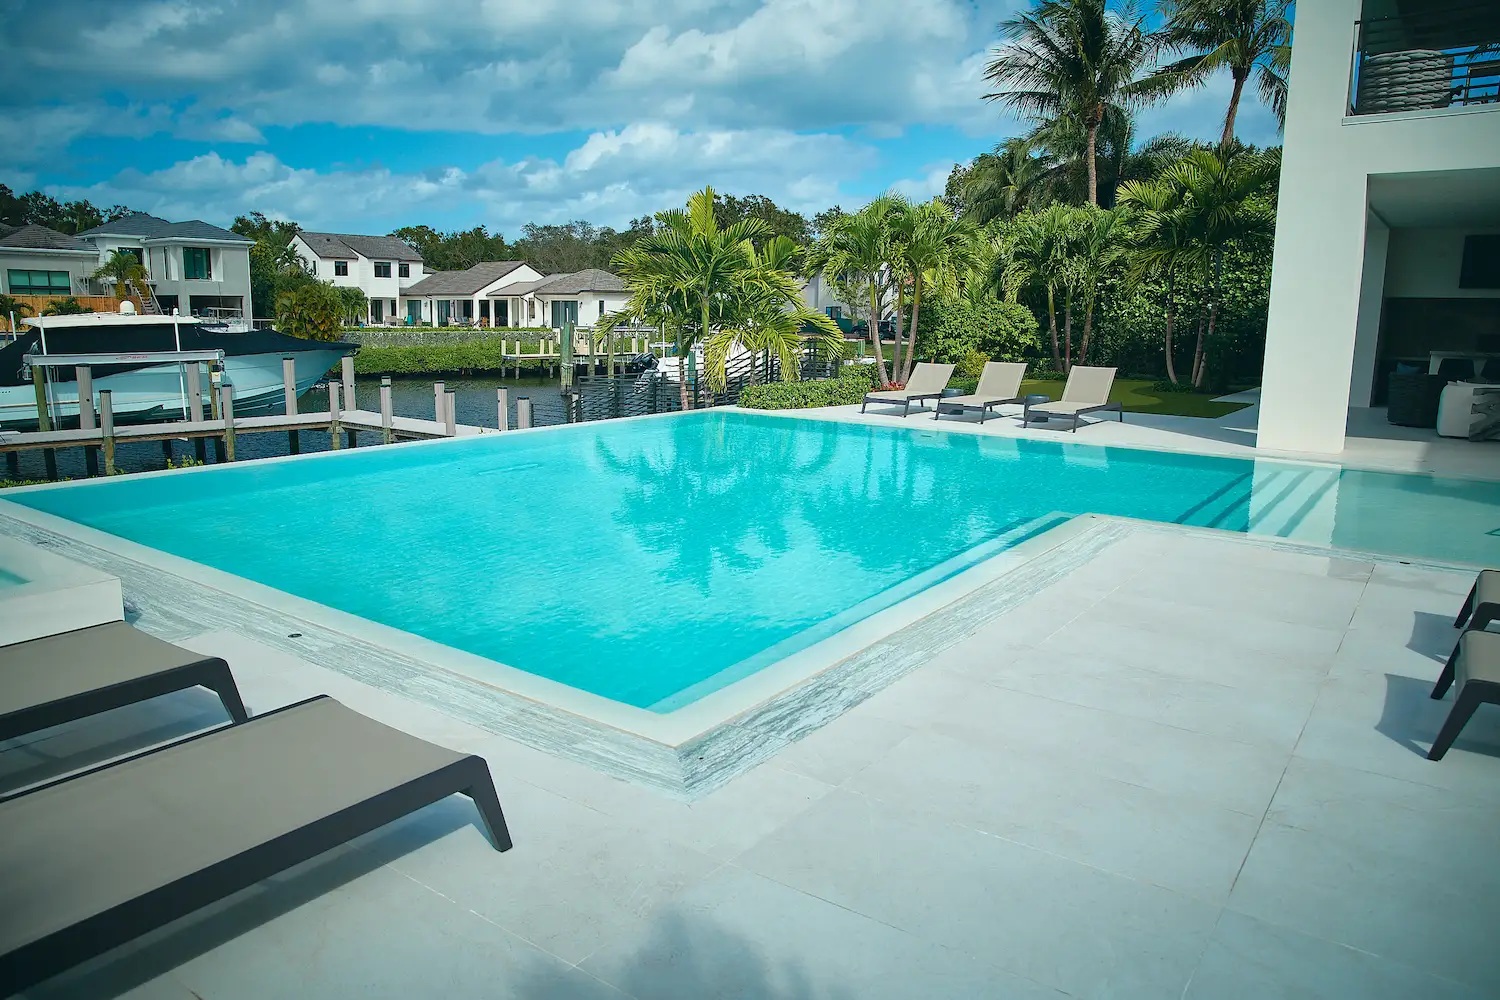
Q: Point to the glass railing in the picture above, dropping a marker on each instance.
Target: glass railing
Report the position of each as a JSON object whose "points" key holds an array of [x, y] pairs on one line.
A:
{"points": [[1428, 60]]}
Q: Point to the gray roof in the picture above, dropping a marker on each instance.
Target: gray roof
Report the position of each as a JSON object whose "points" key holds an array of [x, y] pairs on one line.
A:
{"points": [[335, 245], [590, 279], [519, 288], [469, 282], [42, 238], [149, 227]]}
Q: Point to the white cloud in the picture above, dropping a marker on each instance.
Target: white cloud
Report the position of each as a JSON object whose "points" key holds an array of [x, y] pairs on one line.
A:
{"points": [[610, 178], [929, 185]]}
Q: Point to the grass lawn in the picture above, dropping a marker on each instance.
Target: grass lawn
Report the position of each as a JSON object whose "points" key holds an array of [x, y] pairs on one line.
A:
{"points": [[1139, 397]]}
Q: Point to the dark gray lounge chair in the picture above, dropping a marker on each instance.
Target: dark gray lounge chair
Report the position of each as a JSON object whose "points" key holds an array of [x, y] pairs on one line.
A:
{"points": [[1475, 665], [59, 678], [1482, 606], [927, 382], [98, 859]]}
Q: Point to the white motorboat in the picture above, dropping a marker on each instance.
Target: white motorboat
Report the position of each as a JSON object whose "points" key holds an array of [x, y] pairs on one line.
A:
{"points": [[132, 356]]}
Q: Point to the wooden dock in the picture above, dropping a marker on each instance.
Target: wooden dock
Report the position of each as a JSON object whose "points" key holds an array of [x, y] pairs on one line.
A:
{"points": [[99, 435]]}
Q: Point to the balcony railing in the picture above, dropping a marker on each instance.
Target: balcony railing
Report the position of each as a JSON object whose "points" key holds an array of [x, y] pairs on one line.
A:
{"points": [[1433, 59]]}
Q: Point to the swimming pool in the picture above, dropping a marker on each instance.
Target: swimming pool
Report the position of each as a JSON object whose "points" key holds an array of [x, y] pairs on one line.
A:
{"points": [[653, 561]]}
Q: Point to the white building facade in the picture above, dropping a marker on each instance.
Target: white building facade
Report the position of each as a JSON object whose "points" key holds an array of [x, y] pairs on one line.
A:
{"points": [[383, 267], [193, 267], [1390, 193]]}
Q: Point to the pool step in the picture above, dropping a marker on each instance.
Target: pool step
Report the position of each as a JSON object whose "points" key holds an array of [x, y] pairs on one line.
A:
{"points": [[1286, 499]]}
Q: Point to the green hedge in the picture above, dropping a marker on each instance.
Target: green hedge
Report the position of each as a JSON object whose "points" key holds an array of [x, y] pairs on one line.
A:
{"points": [[404, 336], [438, 359], [848, 387]]}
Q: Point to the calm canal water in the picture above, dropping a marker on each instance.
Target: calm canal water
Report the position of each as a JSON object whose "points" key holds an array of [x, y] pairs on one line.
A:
{"points": [[410, 397]]}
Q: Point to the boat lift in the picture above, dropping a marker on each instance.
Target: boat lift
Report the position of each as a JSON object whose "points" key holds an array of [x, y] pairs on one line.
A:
{"points": [[41, 364]]}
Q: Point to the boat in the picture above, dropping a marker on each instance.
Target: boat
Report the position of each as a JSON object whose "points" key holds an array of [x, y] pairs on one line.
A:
{"points": [[139, 358]]}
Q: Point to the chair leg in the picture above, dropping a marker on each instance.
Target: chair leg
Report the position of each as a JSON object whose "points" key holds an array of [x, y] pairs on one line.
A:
{"points": [[863, 404], [1468, 608], [1483, 615], [229, 695], [905, 409], [1463, 708], [1445, 679]]}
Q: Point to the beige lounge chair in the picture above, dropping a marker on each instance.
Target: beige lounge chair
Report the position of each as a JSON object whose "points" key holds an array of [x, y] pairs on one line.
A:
{"points": [[999, 383], [1475, 665], [1087, 391], [927, 382]]}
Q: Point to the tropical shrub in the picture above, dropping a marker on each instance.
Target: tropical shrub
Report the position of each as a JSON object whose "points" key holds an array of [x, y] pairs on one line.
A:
{"points": [[315, 311], [952, 328], [69, 306], [848, 387]]}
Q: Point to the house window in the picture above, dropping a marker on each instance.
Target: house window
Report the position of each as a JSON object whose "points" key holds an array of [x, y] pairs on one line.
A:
{"points": [[382, 269], [393, 308], [38, 282], [195, 264], [341, 269], [563, 312], [404, 270], [601, 307]]}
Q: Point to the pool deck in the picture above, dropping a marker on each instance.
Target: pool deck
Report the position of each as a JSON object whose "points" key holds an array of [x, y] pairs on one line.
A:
{"points": [[1192, 767], [1372, 442]]}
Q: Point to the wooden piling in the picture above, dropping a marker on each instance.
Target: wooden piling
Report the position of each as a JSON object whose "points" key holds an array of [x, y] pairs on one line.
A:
{"points": [[84, 376], [523, 412], [13, 464], [450, 413], [107, 428], [44, 417], [502, 407], [346, 369], [226, 407], [333, 416], [387, 411], [195, 407], [438, 388], [289, 401]]}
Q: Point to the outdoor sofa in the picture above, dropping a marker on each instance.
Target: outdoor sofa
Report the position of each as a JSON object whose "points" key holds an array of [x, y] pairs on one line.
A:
{"points": [[927, 382], [97, 859], [999, 383], [59, 678], [1086, 391]]}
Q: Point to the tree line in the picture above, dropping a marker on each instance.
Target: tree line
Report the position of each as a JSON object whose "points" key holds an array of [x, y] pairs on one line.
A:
{"points": [[36, 208]]}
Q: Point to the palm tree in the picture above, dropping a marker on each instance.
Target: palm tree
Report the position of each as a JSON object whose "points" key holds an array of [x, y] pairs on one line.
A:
{"points": [[1073, 61], [1098, 249], [1246, 37], [930, 247], [1004, 182], [858, 247], [123, 268], [13, 310], [1219, 199], [69, 306], [1037, 255], [1160, 244], [768, 315]]}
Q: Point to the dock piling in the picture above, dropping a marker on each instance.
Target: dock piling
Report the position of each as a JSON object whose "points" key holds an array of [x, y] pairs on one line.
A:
{"points": [[346, 369], [523, 412], [333, 416], [387, 411], [107, 426], [44, 417], [84, 376], [502, 406], [450, 413], [195, 407], [289, 401], [438, 388], [226, 407]]}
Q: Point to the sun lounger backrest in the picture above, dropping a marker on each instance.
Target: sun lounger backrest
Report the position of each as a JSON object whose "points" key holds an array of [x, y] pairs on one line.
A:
{"points": [[1088, 385], [928, 377], [1001, 378]]}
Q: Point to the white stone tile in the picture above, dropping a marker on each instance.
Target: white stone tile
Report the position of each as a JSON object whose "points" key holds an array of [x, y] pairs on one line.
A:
{"points": [[1236, 775], [1392, 651], [1360, 895], [575, 878], [1236, 628], [738, 934], [1455, 583], [924, 696], [1407, 612], [1193, 847], [1084, 931], [1385, 723], [842, 748], [1249, 959], [1284, 596]]}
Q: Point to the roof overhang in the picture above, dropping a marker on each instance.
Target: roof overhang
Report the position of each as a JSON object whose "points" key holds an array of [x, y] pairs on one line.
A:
{"points": [[50, 251], [196, 240]]}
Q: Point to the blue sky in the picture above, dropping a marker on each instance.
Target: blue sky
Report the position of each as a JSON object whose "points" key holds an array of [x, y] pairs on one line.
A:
{"points": [[367, 115]]}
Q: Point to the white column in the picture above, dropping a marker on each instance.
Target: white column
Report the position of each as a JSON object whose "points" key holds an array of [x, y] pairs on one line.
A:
{"points": [[1371, 299]]}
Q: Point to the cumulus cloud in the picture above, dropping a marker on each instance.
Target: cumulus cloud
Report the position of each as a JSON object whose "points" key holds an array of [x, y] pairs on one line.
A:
{"points": [[610, 178]]}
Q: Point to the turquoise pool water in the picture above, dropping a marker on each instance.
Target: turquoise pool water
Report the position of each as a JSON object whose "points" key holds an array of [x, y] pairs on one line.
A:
{"points": [[652, 561]]}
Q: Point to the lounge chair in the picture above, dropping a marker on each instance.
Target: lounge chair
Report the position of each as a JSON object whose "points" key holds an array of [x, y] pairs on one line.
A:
{"points": [[59, 678], [98, 859], [999, 383], [1482, 606], [927, 382], [1475, 665], [1087, 391]]}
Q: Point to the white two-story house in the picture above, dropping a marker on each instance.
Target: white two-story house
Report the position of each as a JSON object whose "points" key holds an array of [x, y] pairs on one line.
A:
{"points": [[383, 267], [1388, 225], [193, 267]]}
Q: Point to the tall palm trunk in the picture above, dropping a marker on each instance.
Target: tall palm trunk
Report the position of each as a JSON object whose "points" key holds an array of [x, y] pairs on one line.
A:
{"points": [[911, 337], [885, 379], [1171, 365], [1088, 329], [1067, 333], [1213, 312], [1052, 325], [682, 372], [1095, 118], [900, 327], [1234, 109]]}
